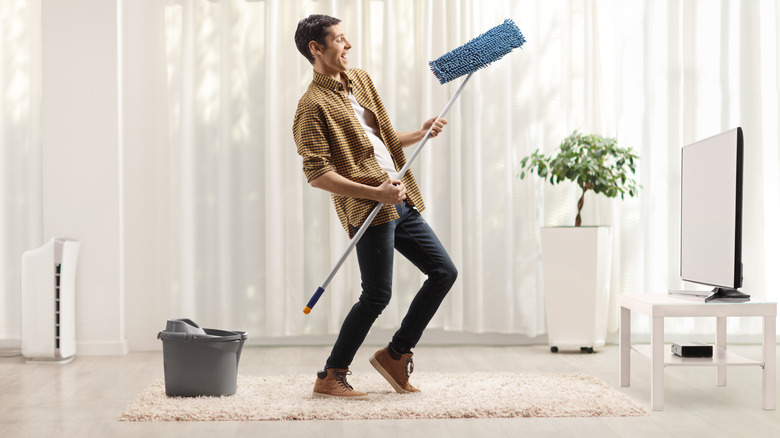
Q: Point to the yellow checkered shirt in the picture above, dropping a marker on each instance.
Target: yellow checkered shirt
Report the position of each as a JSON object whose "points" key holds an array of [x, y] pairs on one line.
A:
{"points": [[329, 137]]}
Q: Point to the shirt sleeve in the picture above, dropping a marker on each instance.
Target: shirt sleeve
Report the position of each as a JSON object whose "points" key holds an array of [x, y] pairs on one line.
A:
{"points": [[310, 133]]}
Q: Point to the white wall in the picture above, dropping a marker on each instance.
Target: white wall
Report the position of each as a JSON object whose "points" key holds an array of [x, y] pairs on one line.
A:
{"points": [[104, 160], [145, 165], [80, 110]]}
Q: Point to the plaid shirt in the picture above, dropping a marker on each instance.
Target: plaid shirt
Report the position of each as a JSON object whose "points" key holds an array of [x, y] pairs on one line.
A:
{"points": [[330, 137]]}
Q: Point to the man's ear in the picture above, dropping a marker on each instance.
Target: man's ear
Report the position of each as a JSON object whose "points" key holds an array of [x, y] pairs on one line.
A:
{"points": [[315, 48]]}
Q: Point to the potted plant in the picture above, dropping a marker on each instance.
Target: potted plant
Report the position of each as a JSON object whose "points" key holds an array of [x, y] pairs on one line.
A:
{"points": [[576, 260]]}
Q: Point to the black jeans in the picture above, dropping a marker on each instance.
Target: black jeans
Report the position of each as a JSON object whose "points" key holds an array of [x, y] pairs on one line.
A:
{"points": [[416, 241]]}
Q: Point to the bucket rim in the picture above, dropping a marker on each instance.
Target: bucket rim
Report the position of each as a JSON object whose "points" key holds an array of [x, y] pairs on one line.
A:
{"points": [[212, 335]]}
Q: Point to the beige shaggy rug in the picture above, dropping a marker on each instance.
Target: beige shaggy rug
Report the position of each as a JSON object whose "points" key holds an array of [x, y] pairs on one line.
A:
{"points": [[472, 395]]}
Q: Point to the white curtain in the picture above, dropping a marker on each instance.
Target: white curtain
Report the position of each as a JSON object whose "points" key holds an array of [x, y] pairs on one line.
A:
{"points": [[248, 241], [20, 151]]}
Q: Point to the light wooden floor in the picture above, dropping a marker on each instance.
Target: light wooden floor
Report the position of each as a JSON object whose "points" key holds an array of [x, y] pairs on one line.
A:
{"points": [[84, 398]]}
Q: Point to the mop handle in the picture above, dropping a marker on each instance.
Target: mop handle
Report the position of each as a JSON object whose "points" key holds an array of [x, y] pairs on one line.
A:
{"points": [[378, 206]]}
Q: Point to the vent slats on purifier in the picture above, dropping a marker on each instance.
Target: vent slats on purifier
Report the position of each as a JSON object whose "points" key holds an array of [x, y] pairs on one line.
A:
{"points": [[48, 301]]}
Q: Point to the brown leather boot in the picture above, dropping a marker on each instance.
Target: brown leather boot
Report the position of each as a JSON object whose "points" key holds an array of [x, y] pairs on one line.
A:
{"points": [[395, 371], [333, 383]]}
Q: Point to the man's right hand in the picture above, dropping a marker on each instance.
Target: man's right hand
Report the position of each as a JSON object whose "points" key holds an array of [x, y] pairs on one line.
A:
{"points": [[392, 191]]}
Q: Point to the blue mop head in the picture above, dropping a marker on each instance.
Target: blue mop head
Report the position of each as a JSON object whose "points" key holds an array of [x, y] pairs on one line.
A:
{"points": [[478, 53]]}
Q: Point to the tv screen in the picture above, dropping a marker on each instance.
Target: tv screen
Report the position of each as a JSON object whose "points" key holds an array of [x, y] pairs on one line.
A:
{"points": [[711, 214]]}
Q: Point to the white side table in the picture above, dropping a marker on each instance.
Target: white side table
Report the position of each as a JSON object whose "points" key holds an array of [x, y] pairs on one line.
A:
{"points": [[660, 306]]}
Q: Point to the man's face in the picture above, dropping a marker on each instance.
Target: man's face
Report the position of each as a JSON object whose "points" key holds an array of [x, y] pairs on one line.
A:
{"points": [[334, 55]]}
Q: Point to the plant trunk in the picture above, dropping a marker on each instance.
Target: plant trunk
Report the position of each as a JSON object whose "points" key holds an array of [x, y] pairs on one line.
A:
{"points": [[578, 221]]}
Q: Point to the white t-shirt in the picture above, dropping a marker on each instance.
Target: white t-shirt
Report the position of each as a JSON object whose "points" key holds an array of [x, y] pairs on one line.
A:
{"points": [[372, 131]]}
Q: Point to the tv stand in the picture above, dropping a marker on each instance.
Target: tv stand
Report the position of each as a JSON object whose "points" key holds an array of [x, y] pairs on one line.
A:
{"points": [[660, 306], [727, 295]]}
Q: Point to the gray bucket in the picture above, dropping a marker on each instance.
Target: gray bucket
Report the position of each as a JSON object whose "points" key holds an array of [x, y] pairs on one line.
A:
{"points": [[200, 362]]}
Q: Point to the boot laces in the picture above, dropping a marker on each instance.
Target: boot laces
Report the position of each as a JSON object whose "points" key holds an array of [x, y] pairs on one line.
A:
{"points": [[341, 378]]}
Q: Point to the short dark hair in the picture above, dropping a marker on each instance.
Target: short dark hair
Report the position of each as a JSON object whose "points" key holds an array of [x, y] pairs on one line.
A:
{"points": [[313, 28]]}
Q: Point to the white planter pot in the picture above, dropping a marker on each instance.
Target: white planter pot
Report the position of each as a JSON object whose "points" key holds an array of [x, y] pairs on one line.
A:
{"points": [[576, 266]]}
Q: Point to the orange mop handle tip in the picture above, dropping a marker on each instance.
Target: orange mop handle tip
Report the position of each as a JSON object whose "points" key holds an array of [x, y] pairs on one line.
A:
{"points": [[313, 300]]}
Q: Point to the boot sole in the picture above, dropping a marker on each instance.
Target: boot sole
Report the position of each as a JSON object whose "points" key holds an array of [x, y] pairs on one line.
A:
{"points": [[387, 376], [345, 397]]}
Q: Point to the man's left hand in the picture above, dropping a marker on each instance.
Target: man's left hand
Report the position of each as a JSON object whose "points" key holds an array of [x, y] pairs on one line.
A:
{"points": [[437, 127]]}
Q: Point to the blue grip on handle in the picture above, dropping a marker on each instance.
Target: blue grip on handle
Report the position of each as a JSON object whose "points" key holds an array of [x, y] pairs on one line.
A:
{"points": [[313, 300]]}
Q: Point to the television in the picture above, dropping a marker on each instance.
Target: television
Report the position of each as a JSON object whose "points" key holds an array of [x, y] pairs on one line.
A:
{"points": [[711, 216]]}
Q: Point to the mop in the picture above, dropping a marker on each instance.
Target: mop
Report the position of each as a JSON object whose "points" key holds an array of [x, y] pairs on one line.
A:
{"points": [[465, 60]]}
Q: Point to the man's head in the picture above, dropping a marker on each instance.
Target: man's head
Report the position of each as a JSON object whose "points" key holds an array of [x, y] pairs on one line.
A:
{"points": [[321, 37]]}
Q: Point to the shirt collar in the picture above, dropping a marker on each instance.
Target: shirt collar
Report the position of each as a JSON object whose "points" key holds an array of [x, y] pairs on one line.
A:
{"points": [[330, 83]]}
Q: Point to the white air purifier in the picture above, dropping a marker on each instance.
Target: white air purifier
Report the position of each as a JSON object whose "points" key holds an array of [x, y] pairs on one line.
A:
{"points": [[48, 301]]}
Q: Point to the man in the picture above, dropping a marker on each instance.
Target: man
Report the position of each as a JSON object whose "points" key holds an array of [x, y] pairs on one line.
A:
{"points": [[351, 150]]}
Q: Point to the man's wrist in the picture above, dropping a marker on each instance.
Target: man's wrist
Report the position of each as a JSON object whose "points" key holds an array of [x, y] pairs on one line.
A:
{"points": [[376, 193]]}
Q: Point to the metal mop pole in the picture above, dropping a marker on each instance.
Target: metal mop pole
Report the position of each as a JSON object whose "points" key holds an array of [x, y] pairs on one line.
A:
{"points": [[379, 205]]}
